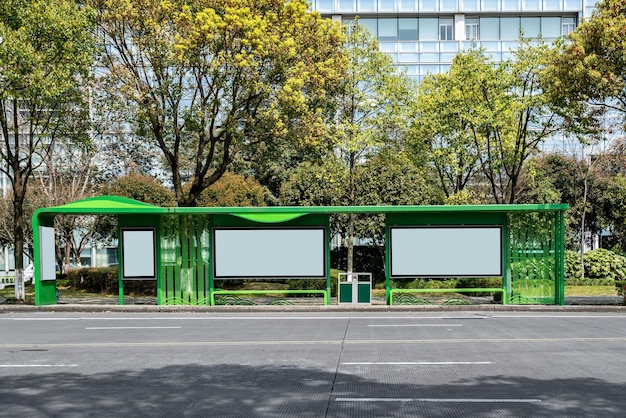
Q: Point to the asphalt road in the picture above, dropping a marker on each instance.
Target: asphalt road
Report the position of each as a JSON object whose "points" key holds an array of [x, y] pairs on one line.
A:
{"points": [[334, 364]]}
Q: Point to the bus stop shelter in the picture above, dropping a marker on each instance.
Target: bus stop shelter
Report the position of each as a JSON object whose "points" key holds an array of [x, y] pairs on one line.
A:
{"points": [[187, 250]]}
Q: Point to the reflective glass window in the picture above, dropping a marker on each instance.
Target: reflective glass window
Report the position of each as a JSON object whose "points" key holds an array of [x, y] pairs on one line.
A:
{"points": [[370, 24], [490, 28], [511, 5], [472, 29], [429, 57], [408, 57], [490, 5], [568, 24], [446, 32], [387, 5], [429, 46], [388, 29], [509, 28], [470, 5], [325, 5], [531, 27], [550, 27], [407, 29], [345, 5], [429, 5], [531, 5], [448, 5], [408, 47], [407, 5], [428, 29], [366, 5], [551, 5]]}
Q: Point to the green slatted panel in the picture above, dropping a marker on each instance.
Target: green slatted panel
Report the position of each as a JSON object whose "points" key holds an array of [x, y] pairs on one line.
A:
{"points": [[185, 245], [532, 258]]}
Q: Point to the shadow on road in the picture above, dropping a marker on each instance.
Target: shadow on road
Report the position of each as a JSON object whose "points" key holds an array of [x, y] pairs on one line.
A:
{"points": [[230, 390]]}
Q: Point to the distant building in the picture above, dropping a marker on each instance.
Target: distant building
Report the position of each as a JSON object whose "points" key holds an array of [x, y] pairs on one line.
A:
{"points": [[423, 36]]}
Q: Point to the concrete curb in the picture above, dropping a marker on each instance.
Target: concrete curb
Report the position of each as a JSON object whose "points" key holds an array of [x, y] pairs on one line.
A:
{"points": [[331, 308]]}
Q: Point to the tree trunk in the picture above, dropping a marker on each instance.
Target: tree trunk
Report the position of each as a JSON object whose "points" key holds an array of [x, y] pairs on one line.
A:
{"points": [[582, 229], [18, 242]]}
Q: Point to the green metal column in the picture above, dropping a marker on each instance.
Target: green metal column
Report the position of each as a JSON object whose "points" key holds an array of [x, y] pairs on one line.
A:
{"points": [[559, 258]]}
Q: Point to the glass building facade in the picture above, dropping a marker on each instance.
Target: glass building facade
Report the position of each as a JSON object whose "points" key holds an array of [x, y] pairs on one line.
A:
{"points": [[423, 36]]}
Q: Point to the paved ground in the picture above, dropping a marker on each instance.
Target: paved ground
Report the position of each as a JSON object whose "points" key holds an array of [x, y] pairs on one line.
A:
{"points": [[313, 364]]}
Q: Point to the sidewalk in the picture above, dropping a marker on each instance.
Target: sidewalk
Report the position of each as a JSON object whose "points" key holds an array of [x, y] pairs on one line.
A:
{"points": [[147, 304]]}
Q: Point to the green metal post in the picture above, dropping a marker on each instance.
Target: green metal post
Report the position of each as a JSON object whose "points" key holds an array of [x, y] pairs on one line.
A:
{"points": [[559, 258], [120, 269], [506, 262], [387, 266], [210, 263]]}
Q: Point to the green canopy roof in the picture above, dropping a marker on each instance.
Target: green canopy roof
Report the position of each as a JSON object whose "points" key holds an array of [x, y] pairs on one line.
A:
{"points": [[112, 205]]}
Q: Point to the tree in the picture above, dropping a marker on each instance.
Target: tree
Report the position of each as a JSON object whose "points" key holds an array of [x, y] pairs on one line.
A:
{"points": [[133, 186], [489, 116], [371, 111], [209, 79], [140, 187], [234, 190], [66, 175], [45, 57], [390, 178], [591, 68]]}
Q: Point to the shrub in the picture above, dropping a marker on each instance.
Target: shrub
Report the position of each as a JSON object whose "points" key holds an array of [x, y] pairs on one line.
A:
{"points": [[601, 263], [572, 265], [104, 280]]}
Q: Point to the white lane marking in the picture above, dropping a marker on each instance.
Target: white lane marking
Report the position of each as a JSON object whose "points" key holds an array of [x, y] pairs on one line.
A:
{"points": [[415, 325], [556, 316], [221, 318], [439, 400], [415, 363], [109, 328], [36, 365], [42, 319]]}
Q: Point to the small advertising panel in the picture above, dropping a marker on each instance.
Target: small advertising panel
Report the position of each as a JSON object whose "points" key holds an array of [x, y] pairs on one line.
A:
{"points": [[269, 252], [47, 254], [138, 253], [467, 251]]}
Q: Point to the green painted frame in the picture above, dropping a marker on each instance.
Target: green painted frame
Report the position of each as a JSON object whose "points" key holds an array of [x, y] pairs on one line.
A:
{"points": [[133, 213]]}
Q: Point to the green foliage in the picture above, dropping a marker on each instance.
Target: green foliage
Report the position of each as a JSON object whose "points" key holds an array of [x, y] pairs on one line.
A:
{"points": [[224, 77], [139, 187], [95, 280], [480, 122], [234, 190], [620, 286], [104, 280], [591, 67], [573, 269], [603, 264], [367, 259]]}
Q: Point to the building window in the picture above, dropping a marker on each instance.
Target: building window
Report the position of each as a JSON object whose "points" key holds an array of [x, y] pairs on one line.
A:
{"points": [[367, 6], [387, 29], [407, 29], [446, 29], [325, 5], [472, 32], [568, 24]]}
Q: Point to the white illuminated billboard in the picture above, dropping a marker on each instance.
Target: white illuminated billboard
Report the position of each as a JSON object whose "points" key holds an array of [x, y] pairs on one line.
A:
{"points": [[469, 251], [47, 263], [269, 252], [138, 253]]}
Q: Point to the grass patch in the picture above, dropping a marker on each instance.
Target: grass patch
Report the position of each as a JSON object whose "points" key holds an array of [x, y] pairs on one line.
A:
{"points": [[590, 291]]}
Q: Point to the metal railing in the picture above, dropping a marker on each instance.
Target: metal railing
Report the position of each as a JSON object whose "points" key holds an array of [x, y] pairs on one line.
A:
{"points": [[455, 290]]}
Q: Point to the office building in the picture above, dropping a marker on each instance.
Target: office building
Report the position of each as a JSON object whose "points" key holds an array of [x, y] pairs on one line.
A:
{"points": [[424, 35]]}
